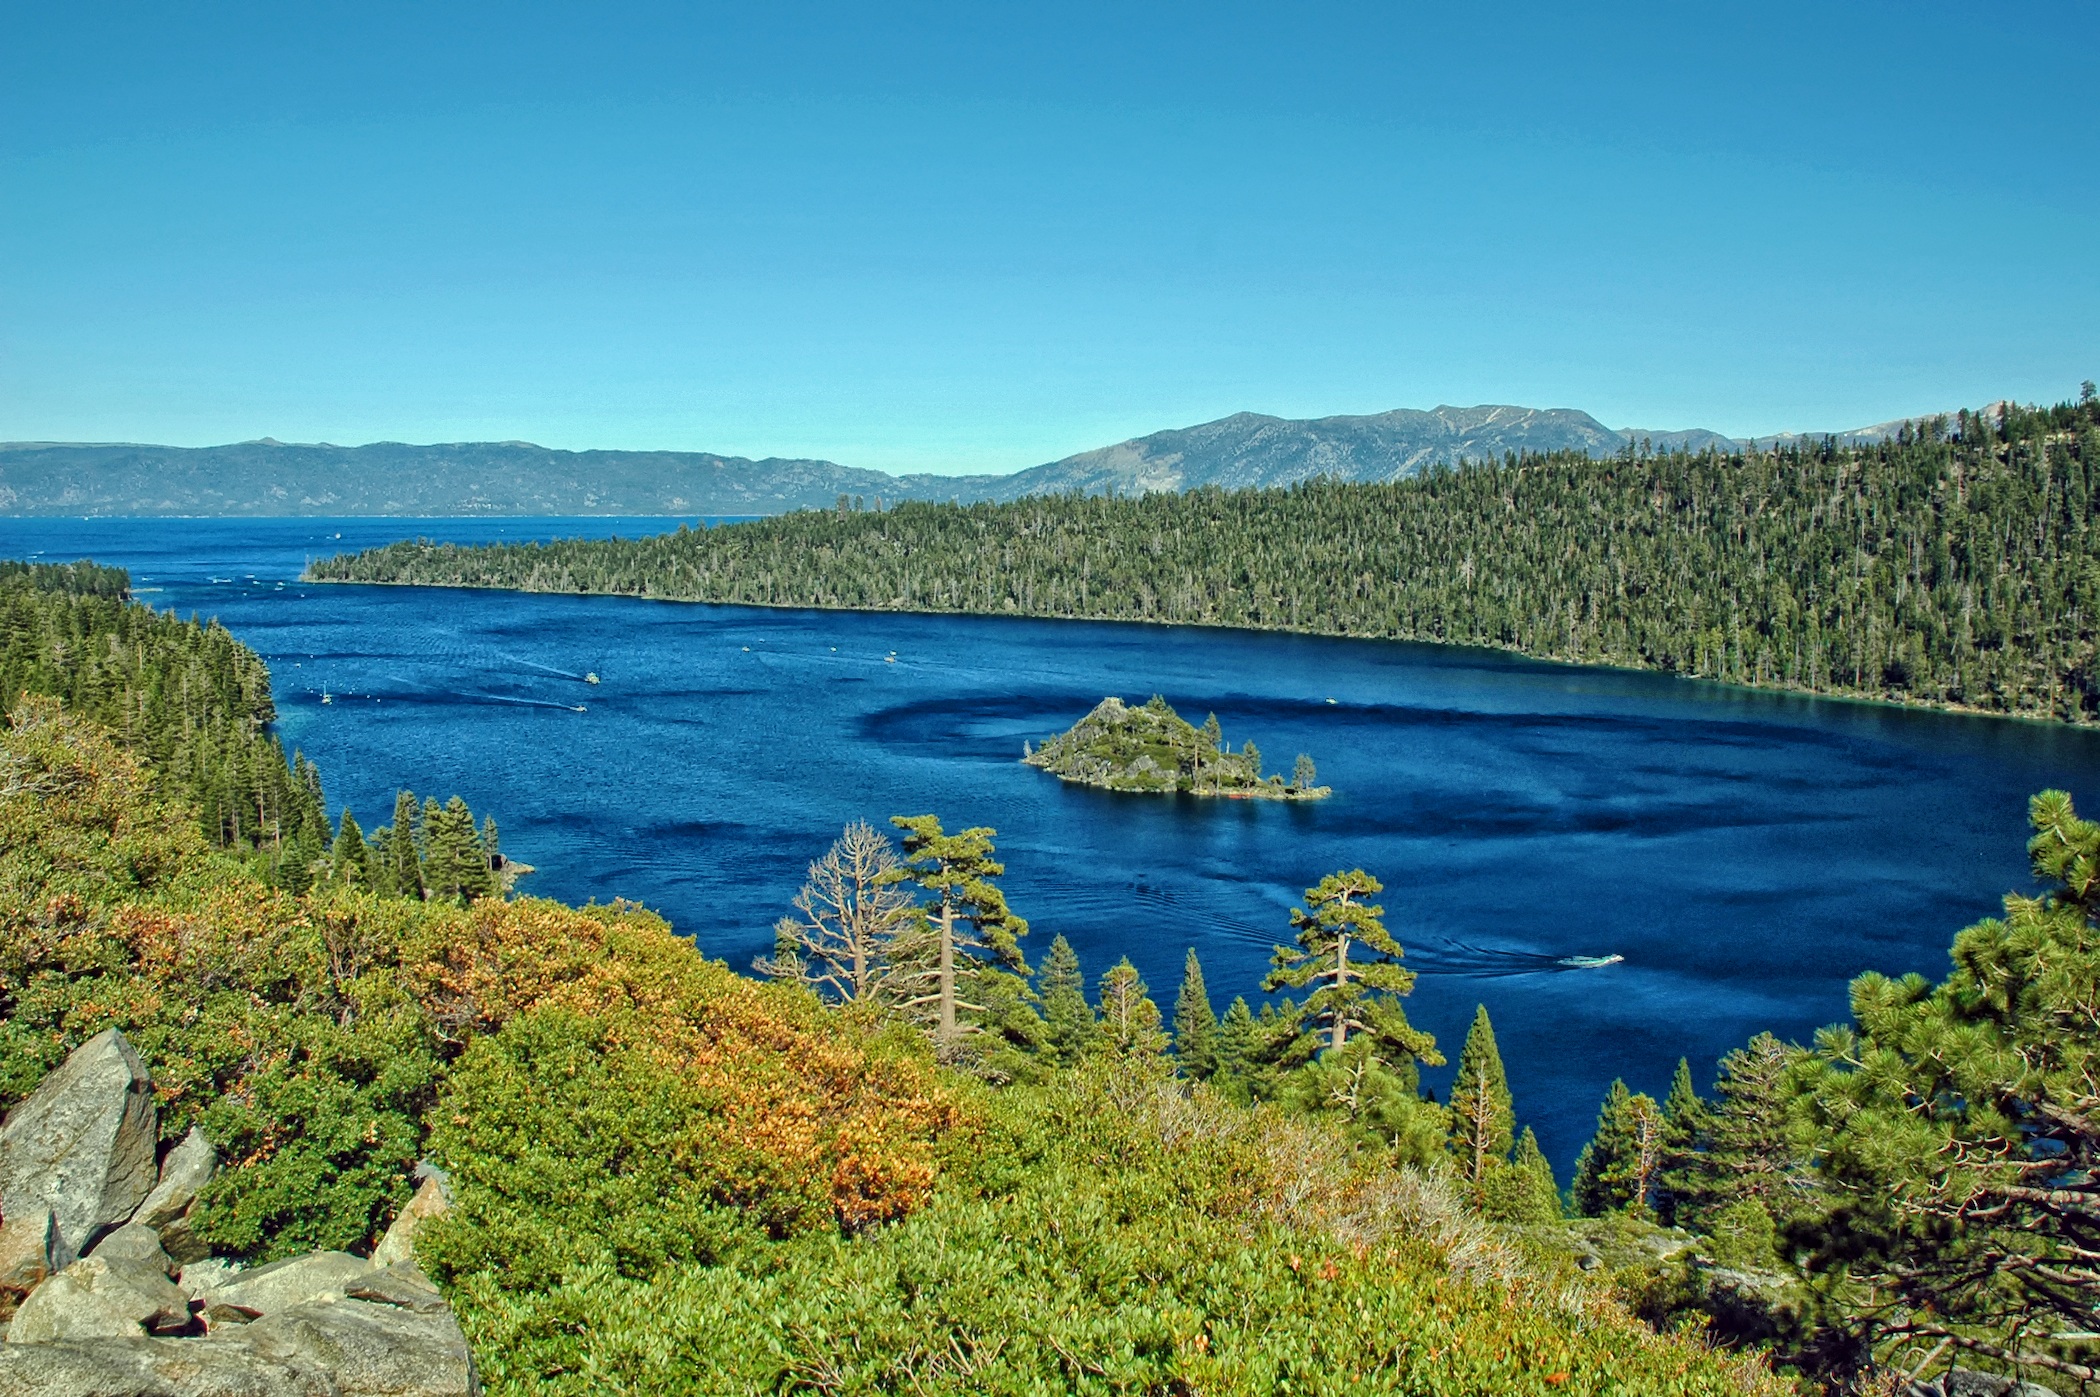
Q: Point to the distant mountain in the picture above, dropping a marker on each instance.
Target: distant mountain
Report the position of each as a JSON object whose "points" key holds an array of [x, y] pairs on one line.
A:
{"points": [[389, 478], [1248, 449], [270, 477]]}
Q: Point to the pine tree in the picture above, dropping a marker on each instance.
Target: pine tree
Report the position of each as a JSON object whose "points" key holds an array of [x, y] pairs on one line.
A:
{"points": [[1304, 775], [1237, 1036], [1345, 951], [1752, 1142], [1130, 1021], [1621, 1165], [379, 862], [1195, 1025], [406, 873], [1685, 1125], [1483, 1121], [1521, 1190], [1588, 1192], [1526, 1192], [1959, 1126], [1069, 1019], [958, 973], [346, 858], [454, 866]]}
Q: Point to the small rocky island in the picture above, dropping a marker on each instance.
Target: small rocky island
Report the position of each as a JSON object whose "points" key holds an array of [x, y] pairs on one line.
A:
{"points": [[1152, 748]]}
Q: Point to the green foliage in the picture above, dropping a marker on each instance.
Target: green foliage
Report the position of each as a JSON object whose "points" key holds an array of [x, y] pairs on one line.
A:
{"points": [[1195, 1024], [326, 1134], [568, 1148], [1099, 1235], [1959, 1128], [1933, 568]]}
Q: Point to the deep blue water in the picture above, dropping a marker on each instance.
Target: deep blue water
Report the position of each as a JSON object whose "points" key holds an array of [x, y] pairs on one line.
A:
{"points": [[1746, 852]]}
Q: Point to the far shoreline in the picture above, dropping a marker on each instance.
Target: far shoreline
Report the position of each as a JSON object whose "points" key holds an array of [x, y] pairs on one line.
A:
{"points": [[1819, 695]]}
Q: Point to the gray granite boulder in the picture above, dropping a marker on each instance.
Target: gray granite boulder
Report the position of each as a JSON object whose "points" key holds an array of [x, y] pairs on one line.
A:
{"points": [[135, 1244], [321, 1276], [28, 1250], [186, 1170], [347, 1348], [153, 1368], [1967, 1382], [82, 1144], [370, 1349], [402, 1284], [100, 1299]]}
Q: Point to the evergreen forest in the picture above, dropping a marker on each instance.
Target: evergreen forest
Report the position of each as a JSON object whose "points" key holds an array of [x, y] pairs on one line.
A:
{"points": [[1957, 564], [920, 1151]]}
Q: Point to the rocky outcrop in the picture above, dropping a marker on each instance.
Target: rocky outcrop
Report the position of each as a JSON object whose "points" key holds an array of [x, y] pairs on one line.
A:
{"points": [[96, 1298], [344, 1348], [320, 1277], [186, 1170], [77, 1173], [82, 1145]]}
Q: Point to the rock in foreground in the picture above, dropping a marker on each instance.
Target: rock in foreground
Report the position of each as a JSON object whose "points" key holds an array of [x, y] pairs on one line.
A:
{"points": [[83, 1144], [343, 1348]]}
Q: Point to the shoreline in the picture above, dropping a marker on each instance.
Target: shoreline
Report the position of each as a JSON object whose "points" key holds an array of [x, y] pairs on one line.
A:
{"points": [[1018, 614]]}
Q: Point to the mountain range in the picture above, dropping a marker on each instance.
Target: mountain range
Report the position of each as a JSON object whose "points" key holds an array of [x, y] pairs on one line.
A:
{"points": [[269, 477]]}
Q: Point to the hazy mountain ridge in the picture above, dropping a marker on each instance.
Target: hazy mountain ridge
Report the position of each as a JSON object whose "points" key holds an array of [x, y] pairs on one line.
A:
{"points": [[273, 478]]}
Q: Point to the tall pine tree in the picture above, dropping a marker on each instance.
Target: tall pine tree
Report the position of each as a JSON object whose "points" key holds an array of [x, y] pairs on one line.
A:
{"points": [[1347, 957], [1195, 1024], [959, 974], [1483, 1119], [1068, 1018]]}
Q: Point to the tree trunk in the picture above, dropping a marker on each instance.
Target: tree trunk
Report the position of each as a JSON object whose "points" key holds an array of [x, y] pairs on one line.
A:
{"points": [[946, 1032], [1341, 980]]}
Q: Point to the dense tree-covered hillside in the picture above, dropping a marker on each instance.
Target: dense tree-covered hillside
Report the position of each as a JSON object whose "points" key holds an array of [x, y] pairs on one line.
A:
{"points": [[185, 695], [1959, 565]]}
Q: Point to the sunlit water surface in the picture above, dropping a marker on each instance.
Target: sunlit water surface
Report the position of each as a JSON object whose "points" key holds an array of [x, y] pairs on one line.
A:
{"points": [[1747, 853]]}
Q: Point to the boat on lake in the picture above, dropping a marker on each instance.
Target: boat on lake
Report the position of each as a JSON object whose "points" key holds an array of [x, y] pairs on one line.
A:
{"points": [[1589, 962]]}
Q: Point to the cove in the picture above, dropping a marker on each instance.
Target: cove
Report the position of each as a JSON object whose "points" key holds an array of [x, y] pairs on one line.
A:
{"points": [[1745, 852]]}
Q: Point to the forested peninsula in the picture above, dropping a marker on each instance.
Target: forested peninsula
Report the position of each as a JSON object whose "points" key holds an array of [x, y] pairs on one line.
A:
{"points": [[1956, 565]]}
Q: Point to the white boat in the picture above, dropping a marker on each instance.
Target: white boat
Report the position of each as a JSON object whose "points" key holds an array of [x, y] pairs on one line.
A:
{"points": [[1589, 962]]}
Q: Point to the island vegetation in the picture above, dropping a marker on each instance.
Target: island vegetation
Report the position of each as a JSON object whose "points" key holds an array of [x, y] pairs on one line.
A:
{"points": [[906, 1159], [1151, 748], [1954, 565]]}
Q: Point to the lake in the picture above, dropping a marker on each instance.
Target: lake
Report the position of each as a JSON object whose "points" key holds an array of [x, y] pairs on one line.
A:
{"points": [[1747, 853]]}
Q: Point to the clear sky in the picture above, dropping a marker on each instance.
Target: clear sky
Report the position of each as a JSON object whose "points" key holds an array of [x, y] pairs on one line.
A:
{"points": [[980, 236]]}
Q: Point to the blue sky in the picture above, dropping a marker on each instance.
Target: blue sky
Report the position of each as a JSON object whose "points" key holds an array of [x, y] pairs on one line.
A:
{"points": [[982, 236]]}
